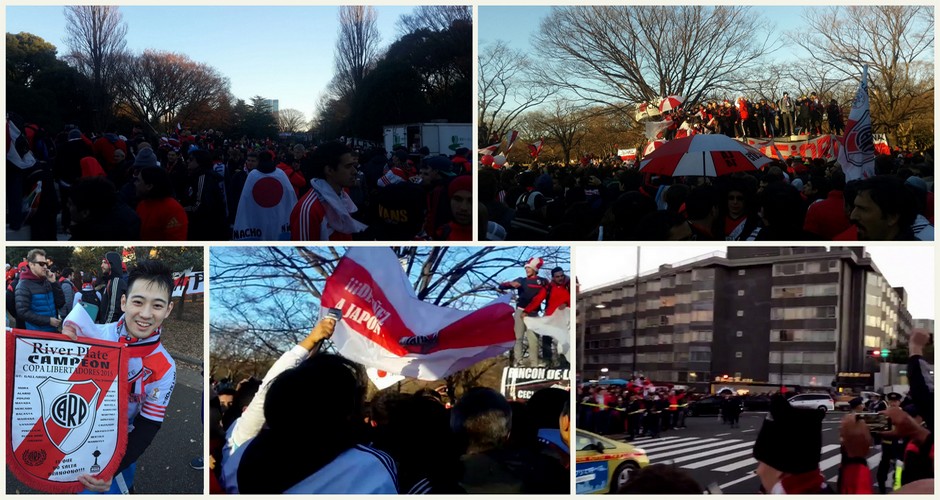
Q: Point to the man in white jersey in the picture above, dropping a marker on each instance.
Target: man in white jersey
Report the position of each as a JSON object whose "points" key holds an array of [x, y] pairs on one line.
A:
{"points": [[333, 460], [151, 371]]}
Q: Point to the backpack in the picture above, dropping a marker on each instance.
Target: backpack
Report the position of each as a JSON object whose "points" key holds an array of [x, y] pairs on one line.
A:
{"points": [[90, 302]]}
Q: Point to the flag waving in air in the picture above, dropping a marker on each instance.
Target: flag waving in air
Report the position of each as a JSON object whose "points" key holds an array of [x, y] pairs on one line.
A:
{"points": [[511, 139], [490, 150], [386, 327], [536, 148], [857, 151]]}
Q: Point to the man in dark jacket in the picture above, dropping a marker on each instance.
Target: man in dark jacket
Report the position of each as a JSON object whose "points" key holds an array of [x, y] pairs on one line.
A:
{"points": [[38, 295], [112, 287], [205, 200], [527, 289]]}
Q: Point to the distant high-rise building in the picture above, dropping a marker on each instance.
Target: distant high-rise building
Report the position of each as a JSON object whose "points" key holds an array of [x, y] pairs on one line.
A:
{"points": [[274, 104], [756, 313]]}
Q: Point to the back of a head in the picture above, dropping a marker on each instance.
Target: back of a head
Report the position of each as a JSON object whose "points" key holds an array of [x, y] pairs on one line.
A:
{"points": [[546, 406], [661, 479], [203, 158], [700, 202], [889, 193], [159, 180], [326, 392], [482, 418], [95, 194]]}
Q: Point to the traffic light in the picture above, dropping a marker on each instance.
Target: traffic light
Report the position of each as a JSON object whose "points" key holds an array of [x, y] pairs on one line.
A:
{"points": [[884, 353], [876, 353]]}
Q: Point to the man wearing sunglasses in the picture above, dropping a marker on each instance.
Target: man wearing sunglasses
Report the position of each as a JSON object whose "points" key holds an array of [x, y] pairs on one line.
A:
{"points": [[38, 295]]}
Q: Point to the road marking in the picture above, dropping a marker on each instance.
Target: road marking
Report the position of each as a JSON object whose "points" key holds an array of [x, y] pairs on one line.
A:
{"points": [[749, 430], [827, 429], [873, 462], [736, 465], [657, 456], [736, 481], [672, 444], [711, 453], [703, 463], [725, 434], [831, 461], [650, 440]]}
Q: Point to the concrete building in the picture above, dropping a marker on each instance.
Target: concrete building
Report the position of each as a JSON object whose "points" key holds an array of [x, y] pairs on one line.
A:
{"points": [[819, 311]]}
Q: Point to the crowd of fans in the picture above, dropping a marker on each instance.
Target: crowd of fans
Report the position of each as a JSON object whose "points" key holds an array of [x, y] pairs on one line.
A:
{"points": [[307, 427], [192, 186], [40, 294], [796, 200], [761, 117]]}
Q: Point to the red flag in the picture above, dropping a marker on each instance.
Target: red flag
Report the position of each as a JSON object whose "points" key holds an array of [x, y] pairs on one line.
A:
{"points": [[386, 327]]}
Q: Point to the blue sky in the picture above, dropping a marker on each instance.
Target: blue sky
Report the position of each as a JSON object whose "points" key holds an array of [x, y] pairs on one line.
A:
{"points": [[516, 25], [283, 53]]}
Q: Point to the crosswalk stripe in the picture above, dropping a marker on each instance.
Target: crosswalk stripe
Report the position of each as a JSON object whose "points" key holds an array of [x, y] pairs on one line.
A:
{"points": [[739, 480], [831, 461], [657, 456], [703, 463], [725, 434], [747, 444], [649, 439], [673, 444], [736, 465]]}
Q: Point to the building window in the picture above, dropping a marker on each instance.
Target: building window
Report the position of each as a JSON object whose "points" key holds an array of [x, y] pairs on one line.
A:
{"points": [[739, 333], [740, 293], [739, 354], [741, 272], [784, 313], [740, 313], [700, 356]]}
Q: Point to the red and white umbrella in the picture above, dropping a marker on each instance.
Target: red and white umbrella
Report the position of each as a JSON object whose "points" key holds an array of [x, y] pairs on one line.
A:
{"points": [[671, 102], [705, 155], [653, 146]]}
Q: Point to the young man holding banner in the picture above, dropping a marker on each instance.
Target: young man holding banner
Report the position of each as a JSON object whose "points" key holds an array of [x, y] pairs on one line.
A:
{"points": [[151, 371]]}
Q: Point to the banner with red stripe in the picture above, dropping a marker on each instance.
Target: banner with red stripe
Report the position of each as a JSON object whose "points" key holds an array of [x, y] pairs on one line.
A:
{"points": [[66, 409], [386, 327]]}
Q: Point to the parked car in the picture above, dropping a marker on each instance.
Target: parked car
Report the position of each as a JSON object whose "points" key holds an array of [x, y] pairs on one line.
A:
{"points": [[821, 401], [710, 405], [604, 465], [757, 403]]}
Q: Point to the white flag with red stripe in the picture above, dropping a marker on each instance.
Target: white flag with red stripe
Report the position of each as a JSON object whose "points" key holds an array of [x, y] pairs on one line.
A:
{"points": [[857, 150], [386, 327], [489, 150], [536, 148], [511, 139], [67, 406]]}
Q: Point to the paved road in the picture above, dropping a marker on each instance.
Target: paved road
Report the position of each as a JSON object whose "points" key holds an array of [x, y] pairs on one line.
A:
{"points": [[164, 467], [714, 453]]}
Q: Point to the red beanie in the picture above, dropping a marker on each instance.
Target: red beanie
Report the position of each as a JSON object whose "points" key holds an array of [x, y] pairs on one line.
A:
{"points": [[460, 183]]}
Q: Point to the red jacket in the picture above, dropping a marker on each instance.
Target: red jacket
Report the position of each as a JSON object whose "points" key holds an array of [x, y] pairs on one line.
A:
{"points": [[557, 295], [296, 177], [308, 221], [162, 220], [104, 150]]}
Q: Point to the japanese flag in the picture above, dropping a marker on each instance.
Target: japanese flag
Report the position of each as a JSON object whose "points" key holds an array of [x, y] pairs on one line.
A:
{"points": [[386, 327]]}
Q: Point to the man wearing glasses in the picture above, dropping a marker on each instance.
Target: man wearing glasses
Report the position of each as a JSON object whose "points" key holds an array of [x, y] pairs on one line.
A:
{"points": [[38, 295]]}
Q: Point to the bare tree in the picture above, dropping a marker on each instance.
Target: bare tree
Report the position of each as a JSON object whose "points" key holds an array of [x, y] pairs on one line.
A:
{"points": [[291, 120], [158, 86], [95, 38], [563, 125], [356, 48], [622, 55], [507, 89], [895, 41], [434, 18]]}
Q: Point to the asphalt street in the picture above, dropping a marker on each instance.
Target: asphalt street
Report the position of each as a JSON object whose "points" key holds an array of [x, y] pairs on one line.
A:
{"points": [[712, 452], [164, 467]]}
